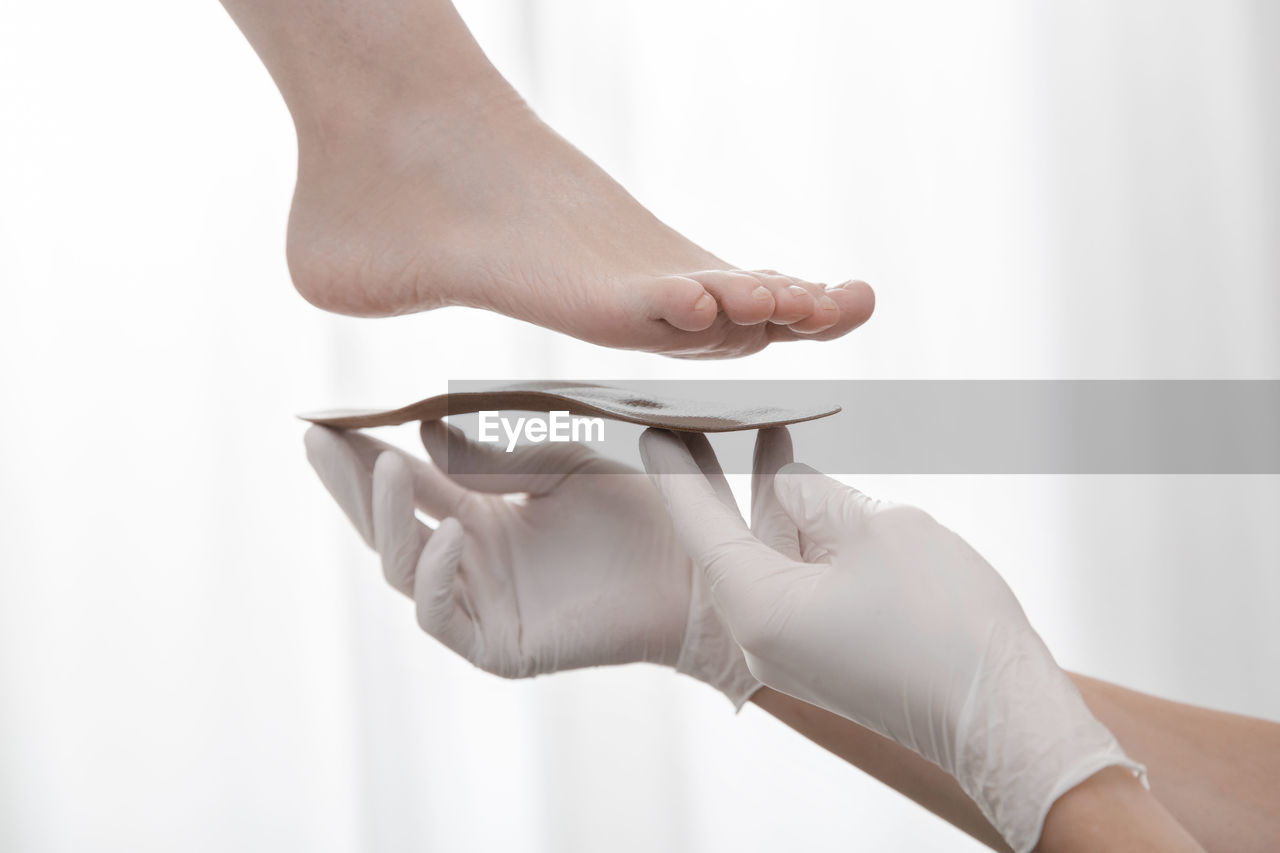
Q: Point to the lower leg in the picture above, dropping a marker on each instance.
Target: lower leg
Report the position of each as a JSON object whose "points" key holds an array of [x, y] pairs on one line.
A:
{"points": [[335, 61]]}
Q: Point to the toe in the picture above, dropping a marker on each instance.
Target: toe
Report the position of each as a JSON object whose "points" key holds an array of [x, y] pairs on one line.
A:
{"points": [[855, 301], [824, 312], [792, 301], [742, 297], [682, 302]]}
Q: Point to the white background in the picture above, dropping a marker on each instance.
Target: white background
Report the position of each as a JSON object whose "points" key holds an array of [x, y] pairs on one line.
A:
{"points": [[197, 654]]}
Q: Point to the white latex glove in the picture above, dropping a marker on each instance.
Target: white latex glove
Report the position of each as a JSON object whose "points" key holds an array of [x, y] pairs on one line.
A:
{"points": [[585, 570], [878, 613]]}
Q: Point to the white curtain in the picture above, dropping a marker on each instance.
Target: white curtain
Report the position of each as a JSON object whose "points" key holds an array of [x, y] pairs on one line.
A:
{"points": [[196, 653]]}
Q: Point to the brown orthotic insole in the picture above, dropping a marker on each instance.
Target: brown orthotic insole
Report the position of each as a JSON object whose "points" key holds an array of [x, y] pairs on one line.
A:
{"points": [[580, 398]]}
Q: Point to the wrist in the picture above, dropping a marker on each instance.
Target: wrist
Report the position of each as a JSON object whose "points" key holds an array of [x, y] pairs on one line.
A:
{"points": [[1111, 810], [1025, 737]]}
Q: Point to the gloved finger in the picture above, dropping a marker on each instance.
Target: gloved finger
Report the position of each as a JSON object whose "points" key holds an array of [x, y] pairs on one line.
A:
{"points": [[344, 477], [824, 510], [705, 457], [714, 536], [531, 469], [440, 612], [366, 448], [433, 492], [769, 521], [810, 552], [398, 535]]}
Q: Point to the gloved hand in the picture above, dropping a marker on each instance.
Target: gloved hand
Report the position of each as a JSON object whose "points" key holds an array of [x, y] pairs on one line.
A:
{"points": [[584, 571], [878, 613]]}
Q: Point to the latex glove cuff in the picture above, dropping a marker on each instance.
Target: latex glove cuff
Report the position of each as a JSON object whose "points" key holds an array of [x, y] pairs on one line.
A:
{"points": [[1020, 749]]}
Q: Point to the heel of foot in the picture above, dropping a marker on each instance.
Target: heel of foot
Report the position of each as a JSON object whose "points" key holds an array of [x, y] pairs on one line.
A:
{"points": [[333, 273]]}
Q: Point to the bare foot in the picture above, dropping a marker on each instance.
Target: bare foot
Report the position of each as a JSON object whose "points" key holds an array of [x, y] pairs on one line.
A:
{"points": [[476, 202]]}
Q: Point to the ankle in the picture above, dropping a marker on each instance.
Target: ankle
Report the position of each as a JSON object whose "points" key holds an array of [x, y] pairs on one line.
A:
{"points": [[382, 191], [396, 123]]}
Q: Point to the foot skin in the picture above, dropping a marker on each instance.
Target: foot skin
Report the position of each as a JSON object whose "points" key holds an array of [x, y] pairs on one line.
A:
{"points": [[479, 203]]}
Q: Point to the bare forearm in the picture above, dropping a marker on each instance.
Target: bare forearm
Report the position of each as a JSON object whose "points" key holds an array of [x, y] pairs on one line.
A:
{"points": [[1112, 811], [1214, 773], [1217, 773]]}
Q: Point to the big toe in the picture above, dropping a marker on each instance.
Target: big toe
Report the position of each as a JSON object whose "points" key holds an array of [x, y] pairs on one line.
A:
{"points": [[855, 300]]}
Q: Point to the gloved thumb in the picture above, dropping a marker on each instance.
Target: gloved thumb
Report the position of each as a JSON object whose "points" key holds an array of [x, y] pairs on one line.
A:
{"points": [[712, 533], [824, 510], [344, 476]]}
